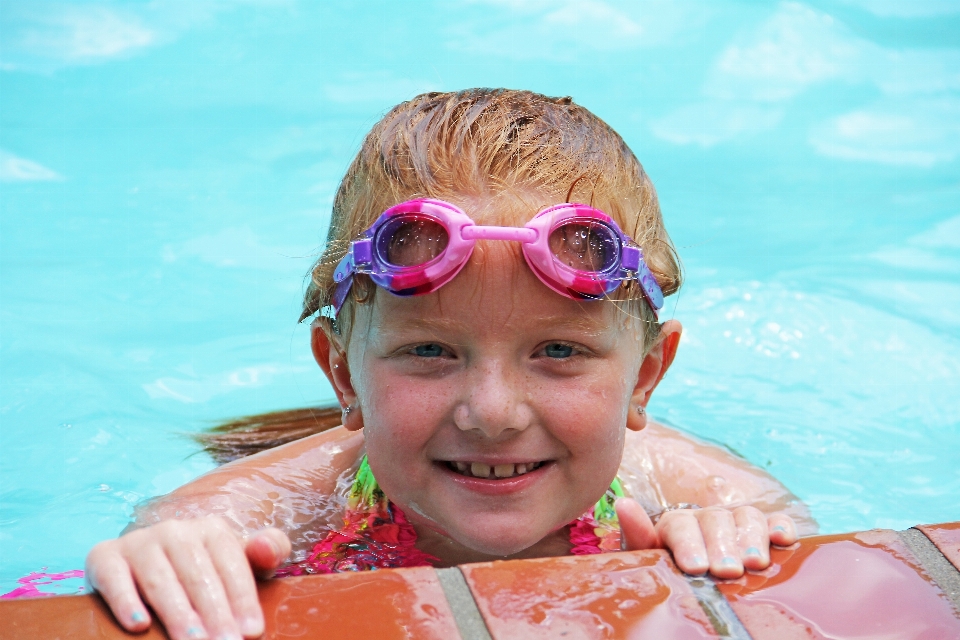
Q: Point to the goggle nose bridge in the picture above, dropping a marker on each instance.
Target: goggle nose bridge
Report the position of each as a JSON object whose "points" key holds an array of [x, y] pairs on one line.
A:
{"points": [[516, 234]]}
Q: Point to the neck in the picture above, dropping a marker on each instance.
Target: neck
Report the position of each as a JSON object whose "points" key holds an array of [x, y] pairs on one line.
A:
{"points": [[451, 553]]}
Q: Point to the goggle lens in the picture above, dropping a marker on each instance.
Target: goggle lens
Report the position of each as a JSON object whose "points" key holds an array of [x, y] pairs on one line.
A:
{"points": [[411, 240], [585, 245]]}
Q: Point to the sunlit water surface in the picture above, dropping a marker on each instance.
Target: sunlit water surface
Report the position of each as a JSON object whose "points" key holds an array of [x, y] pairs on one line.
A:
{"points": [[168, 171]]}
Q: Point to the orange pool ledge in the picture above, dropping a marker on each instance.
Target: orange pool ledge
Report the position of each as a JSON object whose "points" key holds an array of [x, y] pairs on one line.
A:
{"points": [[871, 584]]}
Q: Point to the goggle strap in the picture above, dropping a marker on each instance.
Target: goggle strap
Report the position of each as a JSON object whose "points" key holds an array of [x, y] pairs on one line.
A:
{"points": [[651, 290], [340, 293]]}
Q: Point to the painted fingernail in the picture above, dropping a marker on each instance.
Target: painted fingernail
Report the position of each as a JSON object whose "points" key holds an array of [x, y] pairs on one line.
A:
{"points": [[780, 528], [138, 616], [196, 632], [727, 560], [752, 551]]}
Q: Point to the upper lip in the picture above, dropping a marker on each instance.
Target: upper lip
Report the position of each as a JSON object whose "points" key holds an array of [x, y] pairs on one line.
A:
{"points": [[494, 460]]}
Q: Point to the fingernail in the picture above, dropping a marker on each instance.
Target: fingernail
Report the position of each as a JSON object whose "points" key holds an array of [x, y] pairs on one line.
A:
{"points": [[251, 626], [196, 632], [780, 528], [727, 560], [697, 561], [138, 616], [752, 551]]}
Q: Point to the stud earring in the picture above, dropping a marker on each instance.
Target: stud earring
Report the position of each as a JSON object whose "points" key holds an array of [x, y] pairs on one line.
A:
{"points": [[641, 410]]}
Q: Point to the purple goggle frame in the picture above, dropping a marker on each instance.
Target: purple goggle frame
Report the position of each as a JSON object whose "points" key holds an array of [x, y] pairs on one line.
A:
{"points": [[576, 250]]}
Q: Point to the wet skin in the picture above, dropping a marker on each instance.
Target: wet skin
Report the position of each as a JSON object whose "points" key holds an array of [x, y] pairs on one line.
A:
{"points": [[493, 369]]}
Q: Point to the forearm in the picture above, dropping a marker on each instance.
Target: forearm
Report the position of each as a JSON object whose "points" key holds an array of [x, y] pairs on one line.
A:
{"points": [[679, 469], [293, 488]]}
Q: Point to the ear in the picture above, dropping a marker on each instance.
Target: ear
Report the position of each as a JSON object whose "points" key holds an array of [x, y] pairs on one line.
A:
{"points": [[331, 358], [652, 370]]}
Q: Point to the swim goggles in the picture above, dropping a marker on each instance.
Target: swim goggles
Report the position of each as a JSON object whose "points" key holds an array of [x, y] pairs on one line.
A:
{"points": [[418, 246]]}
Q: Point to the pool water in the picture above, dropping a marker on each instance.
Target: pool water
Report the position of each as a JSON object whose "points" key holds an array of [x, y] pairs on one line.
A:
{"points": [[167, 173]]}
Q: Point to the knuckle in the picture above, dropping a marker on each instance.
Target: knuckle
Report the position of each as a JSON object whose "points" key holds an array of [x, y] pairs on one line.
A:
{"points": [[150, 582], [718, 515], [196, 582], [101, 552], [221, 532]]}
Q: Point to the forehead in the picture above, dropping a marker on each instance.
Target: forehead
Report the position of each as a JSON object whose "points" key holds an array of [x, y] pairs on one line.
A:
{"points": [[516, 207]]}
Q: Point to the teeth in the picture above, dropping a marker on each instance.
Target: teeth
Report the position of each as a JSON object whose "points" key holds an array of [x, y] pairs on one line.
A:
{"points": [[480, 470], [503, 470], [483, 470]]}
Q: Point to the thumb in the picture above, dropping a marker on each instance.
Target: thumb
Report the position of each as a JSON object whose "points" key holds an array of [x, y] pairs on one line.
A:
{"points": [[635, 526], [267, 550]]}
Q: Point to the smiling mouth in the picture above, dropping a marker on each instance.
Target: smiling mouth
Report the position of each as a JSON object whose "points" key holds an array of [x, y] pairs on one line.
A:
{"points": [[496, 472]]}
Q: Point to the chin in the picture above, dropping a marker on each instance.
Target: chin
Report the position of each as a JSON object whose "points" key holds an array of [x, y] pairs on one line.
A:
{"points": [[498, 539], [496, 546]]}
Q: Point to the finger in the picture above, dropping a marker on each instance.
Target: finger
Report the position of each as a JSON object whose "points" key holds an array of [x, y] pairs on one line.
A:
{"points": [[267, 550], [162, 589], [230, 563], [109, 574], [635, 525], [191, 561], [720, 536], [783, 530], [752, 538], [679, 531]]}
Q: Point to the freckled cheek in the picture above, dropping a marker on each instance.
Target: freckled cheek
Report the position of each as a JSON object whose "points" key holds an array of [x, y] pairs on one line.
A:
{"points": [[601, 403], [591, 419], [399, 408]]}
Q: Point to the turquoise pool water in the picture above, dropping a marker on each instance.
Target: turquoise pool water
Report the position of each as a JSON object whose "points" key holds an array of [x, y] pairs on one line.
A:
{"points": [[167, 171]]}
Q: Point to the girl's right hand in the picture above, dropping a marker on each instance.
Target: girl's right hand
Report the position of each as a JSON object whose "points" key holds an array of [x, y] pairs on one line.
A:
{"points": [[197, 575]]}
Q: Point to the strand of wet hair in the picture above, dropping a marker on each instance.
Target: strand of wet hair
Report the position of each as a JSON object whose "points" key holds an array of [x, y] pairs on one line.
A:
{"points": [[246, 436]]}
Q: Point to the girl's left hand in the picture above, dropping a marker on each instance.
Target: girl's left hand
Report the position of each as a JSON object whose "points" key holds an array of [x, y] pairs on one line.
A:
{"points": [[720, 540]]}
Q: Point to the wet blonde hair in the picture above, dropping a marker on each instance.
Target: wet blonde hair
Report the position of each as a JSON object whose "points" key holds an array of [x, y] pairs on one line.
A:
{"points": [[487, 142]]}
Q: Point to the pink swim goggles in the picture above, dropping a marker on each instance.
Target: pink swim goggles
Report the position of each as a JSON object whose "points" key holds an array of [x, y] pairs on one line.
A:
{"points": [[418, 246]]}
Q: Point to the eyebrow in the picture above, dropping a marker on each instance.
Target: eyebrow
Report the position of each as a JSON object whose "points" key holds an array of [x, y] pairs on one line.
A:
{"points": [[581, 323]]}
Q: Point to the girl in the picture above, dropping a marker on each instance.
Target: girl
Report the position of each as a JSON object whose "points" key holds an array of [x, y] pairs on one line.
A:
{"points": [[493, 349]]}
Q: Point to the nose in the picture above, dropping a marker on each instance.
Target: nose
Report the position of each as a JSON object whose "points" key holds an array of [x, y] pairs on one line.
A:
{"points": [[495, 401]]}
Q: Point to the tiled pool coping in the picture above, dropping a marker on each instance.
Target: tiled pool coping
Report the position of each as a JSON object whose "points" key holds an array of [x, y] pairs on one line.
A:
{"points": [[867, 584]]}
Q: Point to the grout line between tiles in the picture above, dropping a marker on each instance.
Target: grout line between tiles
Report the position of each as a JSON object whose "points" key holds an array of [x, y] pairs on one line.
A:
{"points": [[465, 611], [934, 563], [722, 616]]}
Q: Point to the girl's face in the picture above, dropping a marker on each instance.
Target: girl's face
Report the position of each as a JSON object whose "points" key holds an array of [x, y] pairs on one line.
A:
{"points": [[493, 409]]}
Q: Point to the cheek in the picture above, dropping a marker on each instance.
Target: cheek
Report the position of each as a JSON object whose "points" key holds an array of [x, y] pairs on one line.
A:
{"points": [[401, 408], [591, 419]]}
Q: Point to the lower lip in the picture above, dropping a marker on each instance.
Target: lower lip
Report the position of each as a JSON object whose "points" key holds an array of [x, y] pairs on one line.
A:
{"points": [[496, 486]]}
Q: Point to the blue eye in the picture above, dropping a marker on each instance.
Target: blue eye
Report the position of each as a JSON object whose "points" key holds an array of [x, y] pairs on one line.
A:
{"points": [[428, 350], [557, 350]]}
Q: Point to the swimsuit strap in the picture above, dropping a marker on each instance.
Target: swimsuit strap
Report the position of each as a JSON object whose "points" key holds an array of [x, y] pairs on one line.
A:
{"points": [[377, 535]]}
